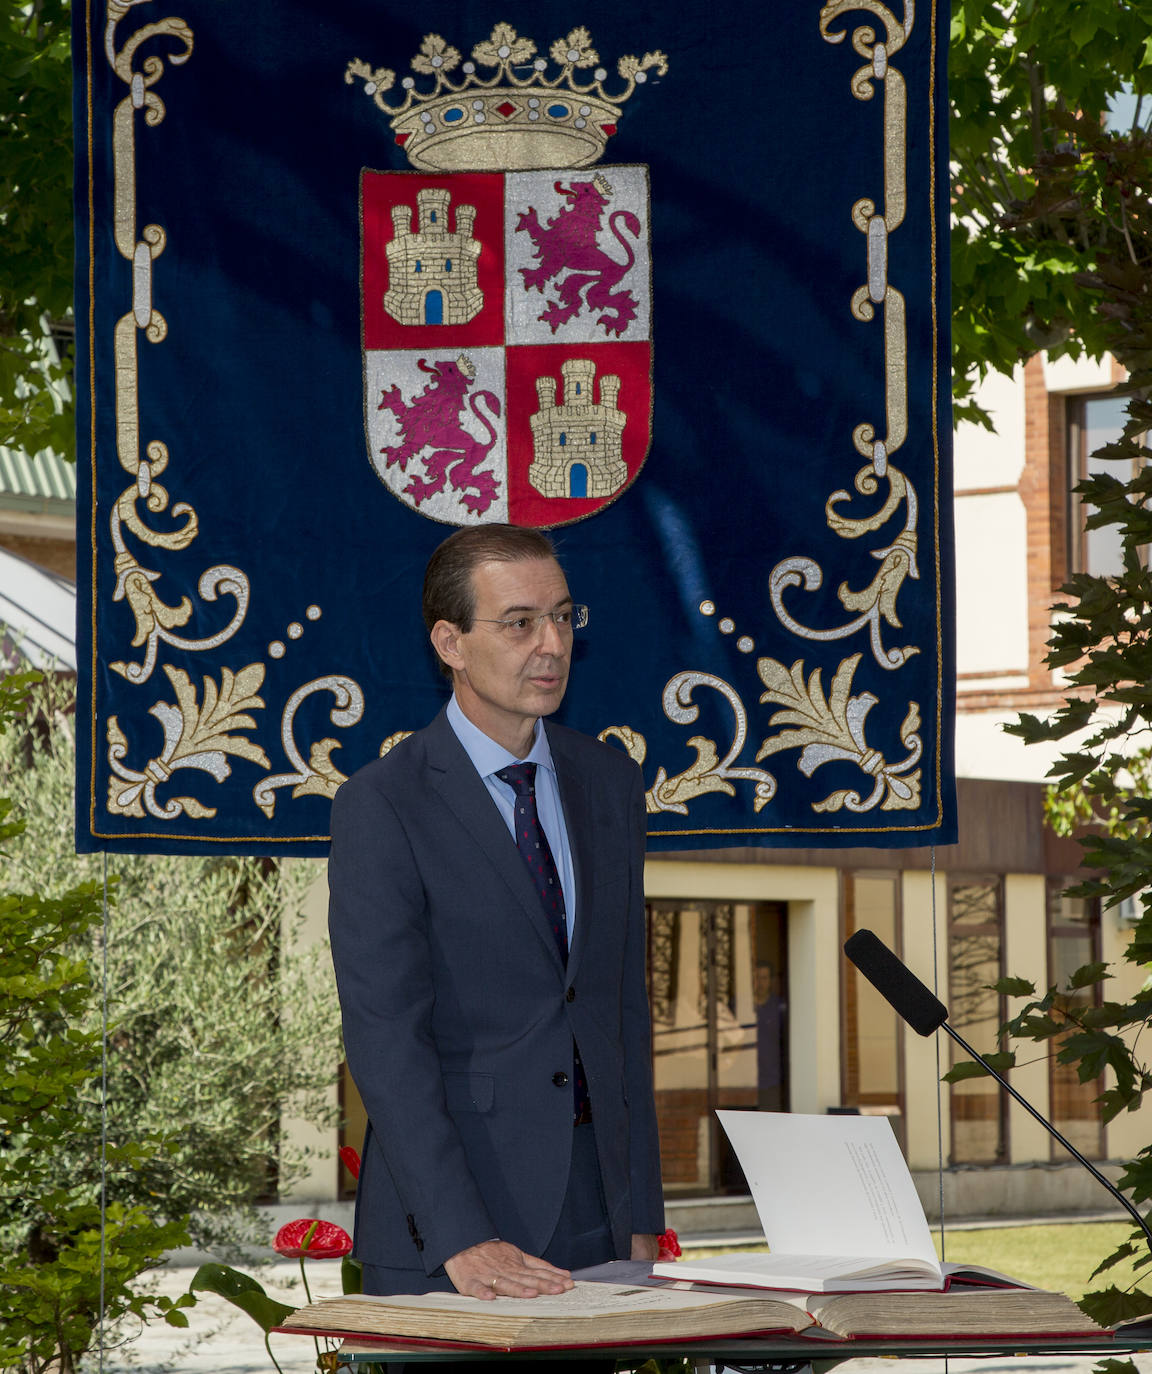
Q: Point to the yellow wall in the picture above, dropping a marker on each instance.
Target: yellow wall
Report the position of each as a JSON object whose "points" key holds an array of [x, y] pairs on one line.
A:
{"points": [[320, 1179], [925, 1098], [1026, 956]]}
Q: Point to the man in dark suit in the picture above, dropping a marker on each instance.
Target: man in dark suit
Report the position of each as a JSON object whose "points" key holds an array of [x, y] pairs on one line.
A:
{"points": [[487, 924]]}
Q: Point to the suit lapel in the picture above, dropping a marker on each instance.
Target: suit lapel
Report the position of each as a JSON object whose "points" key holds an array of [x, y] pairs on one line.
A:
{"points": [[465, 794], [576, 803]]}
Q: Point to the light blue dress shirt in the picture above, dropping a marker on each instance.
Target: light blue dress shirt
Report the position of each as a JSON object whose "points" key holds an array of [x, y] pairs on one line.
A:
{"points": [[487, 757]]}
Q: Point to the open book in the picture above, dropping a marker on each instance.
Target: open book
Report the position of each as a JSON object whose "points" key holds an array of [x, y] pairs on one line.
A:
{"points": [[838, 1206], [614, 1315]]}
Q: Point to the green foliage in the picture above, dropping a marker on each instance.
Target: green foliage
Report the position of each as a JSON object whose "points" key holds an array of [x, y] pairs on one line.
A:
{"points": [[1051, 195], [242, 1291], [1111, 1305], [1014, 987], [50, 1143], [220, 1022], [969, 1068], [213, 1035], [1128, 1251], [1033, 208], [351, 1275], [36, 225]]}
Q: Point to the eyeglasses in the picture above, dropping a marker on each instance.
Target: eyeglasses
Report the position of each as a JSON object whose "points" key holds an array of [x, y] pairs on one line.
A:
{"points": [[528, 626]]}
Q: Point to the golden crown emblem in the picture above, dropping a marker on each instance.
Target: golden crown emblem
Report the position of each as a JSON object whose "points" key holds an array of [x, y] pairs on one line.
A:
{"points": [[515, 117]]}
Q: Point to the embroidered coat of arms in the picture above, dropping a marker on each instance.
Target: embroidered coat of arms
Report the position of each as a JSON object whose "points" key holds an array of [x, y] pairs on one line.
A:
{"points": [[506, 302]]}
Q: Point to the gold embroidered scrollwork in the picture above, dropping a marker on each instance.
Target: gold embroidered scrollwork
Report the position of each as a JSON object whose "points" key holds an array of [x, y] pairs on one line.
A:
{"points": [[155, 619], [319, 777], [392, 741], [196, 735], [832, 729], [708, 772], [874, 605]]}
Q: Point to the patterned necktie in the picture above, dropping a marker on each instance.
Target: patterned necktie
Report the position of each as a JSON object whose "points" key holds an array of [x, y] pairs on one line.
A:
{"points": [[536, 852], [534, 849]]}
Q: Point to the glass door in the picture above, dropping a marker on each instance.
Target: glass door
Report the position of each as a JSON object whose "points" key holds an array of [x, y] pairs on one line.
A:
{"points": [[717, 981]]}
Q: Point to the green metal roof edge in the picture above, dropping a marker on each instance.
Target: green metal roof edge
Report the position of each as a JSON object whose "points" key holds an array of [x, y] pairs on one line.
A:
{"points": [[47, 481]]}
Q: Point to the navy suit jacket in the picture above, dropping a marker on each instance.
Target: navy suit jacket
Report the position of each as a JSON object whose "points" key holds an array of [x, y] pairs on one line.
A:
{"points": [[459, 1015]]}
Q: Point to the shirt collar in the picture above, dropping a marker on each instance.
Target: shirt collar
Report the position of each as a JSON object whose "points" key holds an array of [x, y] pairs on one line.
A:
{"points": [[487, 756]]}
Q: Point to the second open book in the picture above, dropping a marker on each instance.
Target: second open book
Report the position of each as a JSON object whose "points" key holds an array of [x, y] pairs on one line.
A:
{"points": [[838, 1207]]}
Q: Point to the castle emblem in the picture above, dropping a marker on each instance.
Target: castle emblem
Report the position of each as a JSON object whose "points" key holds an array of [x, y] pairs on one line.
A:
{"points": [[578, 445], [506, 291], [431, 272]]}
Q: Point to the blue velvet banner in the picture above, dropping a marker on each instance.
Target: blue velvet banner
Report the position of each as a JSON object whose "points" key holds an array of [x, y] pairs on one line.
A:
{"points": [[667, 279]]}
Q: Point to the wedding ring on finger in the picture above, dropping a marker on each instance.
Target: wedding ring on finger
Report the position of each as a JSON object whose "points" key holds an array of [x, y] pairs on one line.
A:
{"points": [[494, 1282]]}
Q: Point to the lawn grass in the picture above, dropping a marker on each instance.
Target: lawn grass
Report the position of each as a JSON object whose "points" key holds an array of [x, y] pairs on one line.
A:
{"points": [[1060, 1256]]}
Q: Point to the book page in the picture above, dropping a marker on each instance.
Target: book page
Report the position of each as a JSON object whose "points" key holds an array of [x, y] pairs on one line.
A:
{"points": [[586, 1300], [830, 1185], [803, 1272]]}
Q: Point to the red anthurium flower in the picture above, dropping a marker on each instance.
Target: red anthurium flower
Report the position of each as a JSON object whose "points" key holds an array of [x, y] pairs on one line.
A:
{"points": [[312, 1238], [351, 1160], [669, 1245]]}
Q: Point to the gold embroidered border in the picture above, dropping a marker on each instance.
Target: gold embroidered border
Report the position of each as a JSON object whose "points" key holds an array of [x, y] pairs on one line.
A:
{"points": [[198, 735]]}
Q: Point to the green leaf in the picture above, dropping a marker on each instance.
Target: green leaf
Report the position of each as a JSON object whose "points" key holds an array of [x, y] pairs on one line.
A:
{"points": [[242, 1291], [970, 1069], [1112, 1305], [1122, 1252], [351, 1275], [1039, 1027], [1014, 987], [1088, 975]]}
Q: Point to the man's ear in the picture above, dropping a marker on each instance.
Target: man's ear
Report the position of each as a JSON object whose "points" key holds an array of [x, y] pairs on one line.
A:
{"points": [[445, 639]]}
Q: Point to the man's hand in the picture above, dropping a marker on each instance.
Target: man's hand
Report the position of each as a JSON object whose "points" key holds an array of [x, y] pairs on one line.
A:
{"points": [[495, 1269], [645, 1247]]}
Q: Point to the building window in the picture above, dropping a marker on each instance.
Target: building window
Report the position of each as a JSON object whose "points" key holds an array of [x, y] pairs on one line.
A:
{"points": [[979, 1106], [419, 265], [1073, 941], [717, 984], [871, 1058], [1092, 422], [447, 264]]}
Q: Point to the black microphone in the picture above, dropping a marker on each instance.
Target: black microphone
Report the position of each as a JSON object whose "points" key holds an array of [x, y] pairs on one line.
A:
{"points": [[925, 1013]]}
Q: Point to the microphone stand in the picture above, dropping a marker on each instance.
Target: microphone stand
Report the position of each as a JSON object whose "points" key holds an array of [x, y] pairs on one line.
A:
{"points": [[1048, 1126]]}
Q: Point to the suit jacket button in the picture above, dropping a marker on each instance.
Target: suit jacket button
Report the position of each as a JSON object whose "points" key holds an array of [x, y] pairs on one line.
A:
{"points": [[560, 1078], [570, 995]]}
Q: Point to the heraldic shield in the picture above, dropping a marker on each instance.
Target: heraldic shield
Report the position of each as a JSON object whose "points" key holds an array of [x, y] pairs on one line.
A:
{"points": [[507, 340]]}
